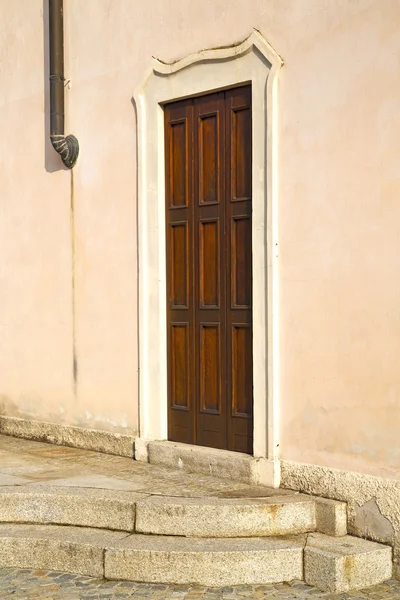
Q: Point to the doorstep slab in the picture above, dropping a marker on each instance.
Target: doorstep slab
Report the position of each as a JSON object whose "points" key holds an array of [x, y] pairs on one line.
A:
{"points": [[215, 462], [347, 563], [70, 549], [217, 517], [212, 562]]}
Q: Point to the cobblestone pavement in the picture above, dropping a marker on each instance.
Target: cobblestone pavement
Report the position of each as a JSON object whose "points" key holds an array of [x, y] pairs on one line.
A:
{"points": [[24, 584]]}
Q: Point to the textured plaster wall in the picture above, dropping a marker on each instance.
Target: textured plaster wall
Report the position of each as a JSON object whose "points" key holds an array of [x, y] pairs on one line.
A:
{"points": [[339, 215]]}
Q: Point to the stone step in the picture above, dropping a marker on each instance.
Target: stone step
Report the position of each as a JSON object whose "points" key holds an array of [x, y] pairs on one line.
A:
{"points": [[121, 510], [333, 564], [84, 507], [211, 562], [56, 548], [160, 559], [217, 517], [346, 563]]}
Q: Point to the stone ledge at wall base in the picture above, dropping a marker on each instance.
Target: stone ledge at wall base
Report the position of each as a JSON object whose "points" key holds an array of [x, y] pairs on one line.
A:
{"points": [[372, 502], [210, 461], [108, 442]]}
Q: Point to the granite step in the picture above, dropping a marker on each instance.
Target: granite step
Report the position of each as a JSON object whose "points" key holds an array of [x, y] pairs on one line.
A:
{"points": [[332, 564], [76, 506], [57, 548], [160, 559], [216, 517], [207, 516], [346, 563], [211, 562]]}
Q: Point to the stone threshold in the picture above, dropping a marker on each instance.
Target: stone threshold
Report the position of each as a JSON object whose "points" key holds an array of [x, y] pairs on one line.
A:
{"points": [[210, 461]]}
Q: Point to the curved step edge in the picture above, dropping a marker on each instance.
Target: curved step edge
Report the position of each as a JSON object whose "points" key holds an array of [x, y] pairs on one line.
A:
{"points": [[83, 507], [216, 517], [161, 559], [56, 548], [209, 562]]}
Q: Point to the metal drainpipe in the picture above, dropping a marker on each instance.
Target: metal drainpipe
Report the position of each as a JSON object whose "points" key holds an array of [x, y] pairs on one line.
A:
{"points": [[66, 146]]}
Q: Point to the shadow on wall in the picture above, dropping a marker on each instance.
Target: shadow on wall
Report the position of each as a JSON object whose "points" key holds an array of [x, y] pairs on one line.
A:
{"points": [[52, 161]]}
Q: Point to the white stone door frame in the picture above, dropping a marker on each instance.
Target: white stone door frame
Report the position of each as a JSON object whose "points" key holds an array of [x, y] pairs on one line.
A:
{"points": [[251, 61]]}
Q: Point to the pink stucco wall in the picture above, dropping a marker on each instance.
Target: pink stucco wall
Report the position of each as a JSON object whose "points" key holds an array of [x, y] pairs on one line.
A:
{"points": [[339, 214]]}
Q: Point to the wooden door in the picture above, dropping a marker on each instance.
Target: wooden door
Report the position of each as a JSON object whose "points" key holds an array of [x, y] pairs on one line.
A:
{"points": [[209, 270]]}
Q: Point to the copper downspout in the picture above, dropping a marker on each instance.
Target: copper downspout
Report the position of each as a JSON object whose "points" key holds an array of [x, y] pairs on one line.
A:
{"points": [[66, 146]]}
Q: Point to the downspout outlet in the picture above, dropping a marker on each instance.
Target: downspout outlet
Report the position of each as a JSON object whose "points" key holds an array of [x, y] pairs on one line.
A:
{"points": [[67, 147]]}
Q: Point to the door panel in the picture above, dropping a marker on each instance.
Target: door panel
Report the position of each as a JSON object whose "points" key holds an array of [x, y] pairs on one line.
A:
{"points": [[179, 155], [180, 365], [210, 368], [239, 269], [241, 363], [209, 270], [209, 141], [209, 257], [240, 131], [241, 262], [179, 267], [179, 251]]}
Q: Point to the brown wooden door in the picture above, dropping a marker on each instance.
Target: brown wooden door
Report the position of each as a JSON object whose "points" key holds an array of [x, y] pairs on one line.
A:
{"points": [[209, 271]]}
